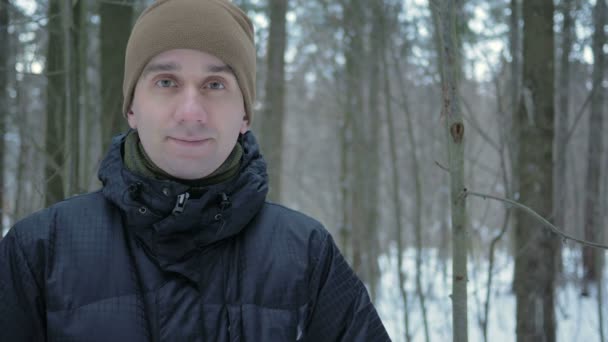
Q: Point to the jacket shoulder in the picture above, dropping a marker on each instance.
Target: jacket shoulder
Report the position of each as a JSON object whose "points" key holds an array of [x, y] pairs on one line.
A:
{"points": [[280, 216], [41, 223], [290, 227], [72, 220]]}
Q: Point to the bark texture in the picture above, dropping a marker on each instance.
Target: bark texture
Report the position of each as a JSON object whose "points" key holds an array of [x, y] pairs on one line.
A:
{"points": [[455, 130], [55, 107], [274, 113], [4, 51], [593, 222], [536, 246], [116, 20]]}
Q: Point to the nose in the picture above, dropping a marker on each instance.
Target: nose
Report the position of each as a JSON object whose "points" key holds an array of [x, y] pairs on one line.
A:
{"points": [[191, 106]]}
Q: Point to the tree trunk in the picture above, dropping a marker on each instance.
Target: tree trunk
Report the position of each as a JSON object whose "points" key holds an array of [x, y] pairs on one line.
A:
{"points": [[449, 55], [560, 195], [354, 140], [444, 244], [79, 89], [71, 79], [512, 125], [601, 285], [55, 107], [600, 300], [416, 175], [396, 185], [345, 183], [22, 169], [21, 202], [274, 113], [4, 51], [514, 43], [116, 18], [85, 117], [564, 112], [372, 155], [536, 246], [595, 143], [505, 137]]}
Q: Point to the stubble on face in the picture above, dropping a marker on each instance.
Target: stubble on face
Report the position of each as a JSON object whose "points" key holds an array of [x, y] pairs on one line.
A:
{"points": [[189, 111]]}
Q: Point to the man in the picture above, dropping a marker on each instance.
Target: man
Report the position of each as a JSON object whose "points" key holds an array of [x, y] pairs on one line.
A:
{"points": [[179, 244]]}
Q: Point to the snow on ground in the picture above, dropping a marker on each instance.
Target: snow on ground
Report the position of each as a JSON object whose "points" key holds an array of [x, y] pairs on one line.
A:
{"points": [[577, 316]]}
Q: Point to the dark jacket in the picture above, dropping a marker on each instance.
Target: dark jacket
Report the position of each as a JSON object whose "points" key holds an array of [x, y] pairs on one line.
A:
{"points": [[139, 261]]}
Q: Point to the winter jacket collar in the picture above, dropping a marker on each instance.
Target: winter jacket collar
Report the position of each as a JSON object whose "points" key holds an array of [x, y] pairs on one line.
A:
{"points": [[174, 226]]}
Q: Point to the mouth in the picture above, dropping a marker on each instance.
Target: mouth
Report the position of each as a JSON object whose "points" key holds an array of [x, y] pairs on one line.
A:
{"points": [[188, 141]]}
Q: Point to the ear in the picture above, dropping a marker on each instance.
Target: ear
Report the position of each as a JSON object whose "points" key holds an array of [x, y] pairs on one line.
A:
{"points": [[244, 125], [132, 119]]}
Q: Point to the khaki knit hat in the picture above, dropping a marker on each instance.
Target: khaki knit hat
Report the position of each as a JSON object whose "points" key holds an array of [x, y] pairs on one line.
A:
{"points": [[216, 27]]}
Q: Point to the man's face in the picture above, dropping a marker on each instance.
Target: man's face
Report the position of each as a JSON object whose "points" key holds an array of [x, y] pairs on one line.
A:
{"points": [[188, 110]]}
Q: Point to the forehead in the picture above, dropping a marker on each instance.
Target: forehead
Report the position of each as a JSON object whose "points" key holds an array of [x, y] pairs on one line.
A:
{"points": [[185, 59]]}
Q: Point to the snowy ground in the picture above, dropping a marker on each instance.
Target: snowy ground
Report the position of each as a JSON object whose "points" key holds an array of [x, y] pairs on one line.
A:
{"points": [[577, 316]]}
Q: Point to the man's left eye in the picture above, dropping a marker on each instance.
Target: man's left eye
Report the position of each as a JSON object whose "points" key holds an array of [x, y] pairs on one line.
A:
{"points": [[165, 83], [215, 85]]}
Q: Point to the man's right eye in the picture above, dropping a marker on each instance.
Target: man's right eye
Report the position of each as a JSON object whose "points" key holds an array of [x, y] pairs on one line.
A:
{"points": [[166, 83]]}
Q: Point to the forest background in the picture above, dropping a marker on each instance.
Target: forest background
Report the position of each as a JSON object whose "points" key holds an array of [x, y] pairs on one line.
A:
{"points": [[360, 106]]}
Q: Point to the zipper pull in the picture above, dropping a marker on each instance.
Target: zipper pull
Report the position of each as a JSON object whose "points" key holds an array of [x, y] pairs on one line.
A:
{"points": [[181, 203], [224, 201]]}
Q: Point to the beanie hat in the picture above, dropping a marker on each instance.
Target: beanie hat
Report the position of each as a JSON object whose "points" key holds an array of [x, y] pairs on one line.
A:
{"points": [[216, 27]]}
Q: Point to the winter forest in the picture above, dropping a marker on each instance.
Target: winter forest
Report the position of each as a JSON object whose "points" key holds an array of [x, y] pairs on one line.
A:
{"points": [[455, 149]]}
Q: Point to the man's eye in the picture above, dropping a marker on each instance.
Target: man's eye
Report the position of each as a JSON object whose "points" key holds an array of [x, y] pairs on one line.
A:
{"points": [[165, 83], [215, 85]]}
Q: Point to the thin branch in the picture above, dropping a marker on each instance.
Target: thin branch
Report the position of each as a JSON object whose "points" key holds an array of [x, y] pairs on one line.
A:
{"points": [[537, 216], [442, 167], [579, 115]]}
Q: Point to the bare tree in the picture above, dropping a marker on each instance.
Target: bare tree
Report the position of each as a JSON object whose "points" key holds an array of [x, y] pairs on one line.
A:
{"points": [[593, 224], [511, 132], [274, 109], [55, 106], [536, 247], [446, 23], [371, 182], [4, 51], [416, 176], [567, 10], [71, 81], [83, 119], [352, 144], [396, 185], [116, 19]]}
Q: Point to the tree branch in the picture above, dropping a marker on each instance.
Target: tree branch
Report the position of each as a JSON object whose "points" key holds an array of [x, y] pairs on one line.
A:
{"points": [[537, 216], [444, 168]]}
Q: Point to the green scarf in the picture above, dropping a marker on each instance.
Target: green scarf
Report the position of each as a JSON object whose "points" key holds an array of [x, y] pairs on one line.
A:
{"points": [[137, 160]]}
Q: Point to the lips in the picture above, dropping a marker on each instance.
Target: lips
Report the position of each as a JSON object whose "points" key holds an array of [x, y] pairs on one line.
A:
{"points": [[188, 141]]}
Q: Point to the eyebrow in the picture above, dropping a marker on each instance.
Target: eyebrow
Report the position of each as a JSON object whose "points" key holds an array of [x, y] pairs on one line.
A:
{"points": [[157, 67], [221, 68], [163, 67]]}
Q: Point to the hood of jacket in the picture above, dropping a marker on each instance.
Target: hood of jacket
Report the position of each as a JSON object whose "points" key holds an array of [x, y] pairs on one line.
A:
{"points": [[171, 222]]}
